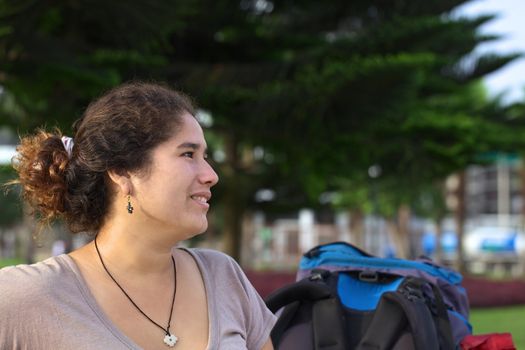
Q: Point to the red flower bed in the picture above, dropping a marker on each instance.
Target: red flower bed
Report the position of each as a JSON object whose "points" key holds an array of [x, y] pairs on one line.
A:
{"points": [[485, 293], [267, 281]]}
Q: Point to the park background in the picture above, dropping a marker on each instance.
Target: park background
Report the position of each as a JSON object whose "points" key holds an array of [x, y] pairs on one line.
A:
{"points": [[363, 121]]}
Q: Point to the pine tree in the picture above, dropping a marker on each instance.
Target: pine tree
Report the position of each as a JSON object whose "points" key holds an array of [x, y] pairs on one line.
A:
{"points": [[330, 89], [323, 90]]}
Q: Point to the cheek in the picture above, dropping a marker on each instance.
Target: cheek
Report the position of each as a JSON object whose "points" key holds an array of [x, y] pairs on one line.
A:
{"points": [[168, 188]]}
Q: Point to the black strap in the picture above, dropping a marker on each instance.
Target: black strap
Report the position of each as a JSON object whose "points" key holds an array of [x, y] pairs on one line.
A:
{"points": [[284, 321], [327, 316], [438, 311], [304, 290], [446, 338], [393, 313], [328, 325]]}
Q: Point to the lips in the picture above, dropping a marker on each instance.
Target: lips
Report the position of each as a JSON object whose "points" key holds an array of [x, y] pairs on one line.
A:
{"points": [[201, 197]]}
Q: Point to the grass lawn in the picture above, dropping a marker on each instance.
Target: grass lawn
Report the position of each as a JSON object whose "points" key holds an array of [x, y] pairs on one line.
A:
{"points": [[501, 320], [8, 262]]}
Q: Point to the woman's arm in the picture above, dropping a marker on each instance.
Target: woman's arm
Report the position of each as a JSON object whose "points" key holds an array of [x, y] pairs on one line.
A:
{"points": [[268, 345]]}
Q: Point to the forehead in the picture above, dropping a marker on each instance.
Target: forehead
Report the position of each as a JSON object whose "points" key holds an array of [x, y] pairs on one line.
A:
{"points": [[188, 131]]}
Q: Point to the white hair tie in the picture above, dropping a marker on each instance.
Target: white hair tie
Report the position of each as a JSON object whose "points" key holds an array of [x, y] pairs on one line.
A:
{"points": [[68, 145]]}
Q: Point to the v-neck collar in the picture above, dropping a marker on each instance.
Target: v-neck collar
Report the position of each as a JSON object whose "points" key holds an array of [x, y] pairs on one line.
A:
{"points": [[95, 307]]}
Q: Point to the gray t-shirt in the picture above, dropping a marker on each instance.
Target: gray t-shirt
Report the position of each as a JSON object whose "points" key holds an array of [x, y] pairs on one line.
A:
{"points": [[48, 305]]}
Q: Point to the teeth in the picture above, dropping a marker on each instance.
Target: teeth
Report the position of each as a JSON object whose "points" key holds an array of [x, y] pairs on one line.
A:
{"points": [[200, 199]]}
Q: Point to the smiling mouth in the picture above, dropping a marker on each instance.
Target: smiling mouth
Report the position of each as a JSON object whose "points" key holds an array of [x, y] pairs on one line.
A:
{"points": [[200, 199]]}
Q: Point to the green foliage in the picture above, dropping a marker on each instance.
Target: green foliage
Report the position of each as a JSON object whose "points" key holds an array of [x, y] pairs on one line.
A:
{"points": [[430, 202], [55, 57], [10, 205]]}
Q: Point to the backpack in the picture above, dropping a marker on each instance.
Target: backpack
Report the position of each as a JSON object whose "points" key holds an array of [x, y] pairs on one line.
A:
{"points": [[346, 298]]}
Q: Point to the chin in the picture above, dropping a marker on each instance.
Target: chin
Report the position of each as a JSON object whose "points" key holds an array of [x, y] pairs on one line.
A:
{"points": [[197, 230], [193, 234]]}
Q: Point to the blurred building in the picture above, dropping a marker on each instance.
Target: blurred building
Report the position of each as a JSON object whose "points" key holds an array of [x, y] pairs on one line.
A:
{"points": [[494, 240], [7, 146], [495, 190]]}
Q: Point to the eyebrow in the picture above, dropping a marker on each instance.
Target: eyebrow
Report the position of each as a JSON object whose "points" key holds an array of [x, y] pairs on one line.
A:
{"points": [[193, 146]]}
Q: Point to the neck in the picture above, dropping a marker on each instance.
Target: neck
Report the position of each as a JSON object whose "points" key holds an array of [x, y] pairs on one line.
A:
{"points": [[130, 249]]}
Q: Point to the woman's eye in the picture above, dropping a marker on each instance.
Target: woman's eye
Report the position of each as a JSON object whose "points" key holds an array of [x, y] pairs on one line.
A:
{"points": [[188, 154]]}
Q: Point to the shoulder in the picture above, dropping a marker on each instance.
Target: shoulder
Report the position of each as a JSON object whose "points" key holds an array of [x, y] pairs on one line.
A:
{"points": [[237, 304], [23, 282], [35, 300], [220, 269], [216, 263], [211, 257]]}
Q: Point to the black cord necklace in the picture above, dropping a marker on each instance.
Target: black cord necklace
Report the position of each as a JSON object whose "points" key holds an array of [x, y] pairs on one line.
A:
{"points": [[170, 339]]}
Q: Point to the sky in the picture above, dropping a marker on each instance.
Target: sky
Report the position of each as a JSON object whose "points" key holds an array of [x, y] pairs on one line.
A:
{"points": [[510, 23]]}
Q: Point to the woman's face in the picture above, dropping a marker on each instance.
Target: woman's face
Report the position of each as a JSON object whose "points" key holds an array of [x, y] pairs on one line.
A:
{"points": [[174, 194]]}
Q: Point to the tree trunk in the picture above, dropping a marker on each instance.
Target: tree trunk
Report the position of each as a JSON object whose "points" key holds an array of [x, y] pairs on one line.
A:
{"points": [[233, 208], [522, 177], [438, 255], [27, 235], [394, 236], [233, 213], [357, 228], [403, 222], [399, 231], [460, 216]]}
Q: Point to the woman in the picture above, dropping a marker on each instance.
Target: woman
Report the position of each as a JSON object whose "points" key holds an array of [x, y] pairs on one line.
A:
{"points": [[136, 175]]}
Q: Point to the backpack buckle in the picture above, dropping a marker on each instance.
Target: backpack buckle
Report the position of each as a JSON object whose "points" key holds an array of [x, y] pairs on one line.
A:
{"points": [[412, 292], [368, 276], [319, 275]]}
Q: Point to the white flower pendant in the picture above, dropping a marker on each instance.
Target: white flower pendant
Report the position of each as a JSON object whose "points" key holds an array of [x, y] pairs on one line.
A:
{"points": [[170, 340]]}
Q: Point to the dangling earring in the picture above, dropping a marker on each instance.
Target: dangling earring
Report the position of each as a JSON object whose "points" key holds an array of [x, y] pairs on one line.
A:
{"points": [[129, 206]]}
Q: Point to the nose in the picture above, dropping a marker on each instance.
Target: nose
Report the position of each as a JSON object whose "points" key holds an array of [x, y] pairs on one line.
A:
{"points": [[208, 175]]}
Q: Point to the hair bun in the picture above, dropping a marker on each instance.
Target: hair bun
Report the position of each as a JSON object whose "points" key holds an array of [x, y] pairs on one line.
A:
{"points": [[41, 163]]}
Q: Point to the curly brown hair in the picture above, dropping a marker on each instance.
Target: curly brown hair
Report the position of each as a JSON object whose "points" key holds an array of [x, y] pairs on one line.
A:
{"points": [[117, 132]]}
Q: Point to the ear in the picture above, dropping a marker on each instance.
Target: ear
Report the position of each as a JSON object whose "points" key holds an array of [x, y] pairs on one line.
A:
{"points": [[121, 180]]}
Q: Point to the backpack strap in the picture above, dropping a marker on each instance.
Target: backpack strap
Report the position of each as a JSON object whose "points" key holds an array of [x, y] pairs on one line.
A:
{"points": [[283, 322], [299, 291], [327, 316], [394, 311], [446, 338], [327, 323], [438, 310]]}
